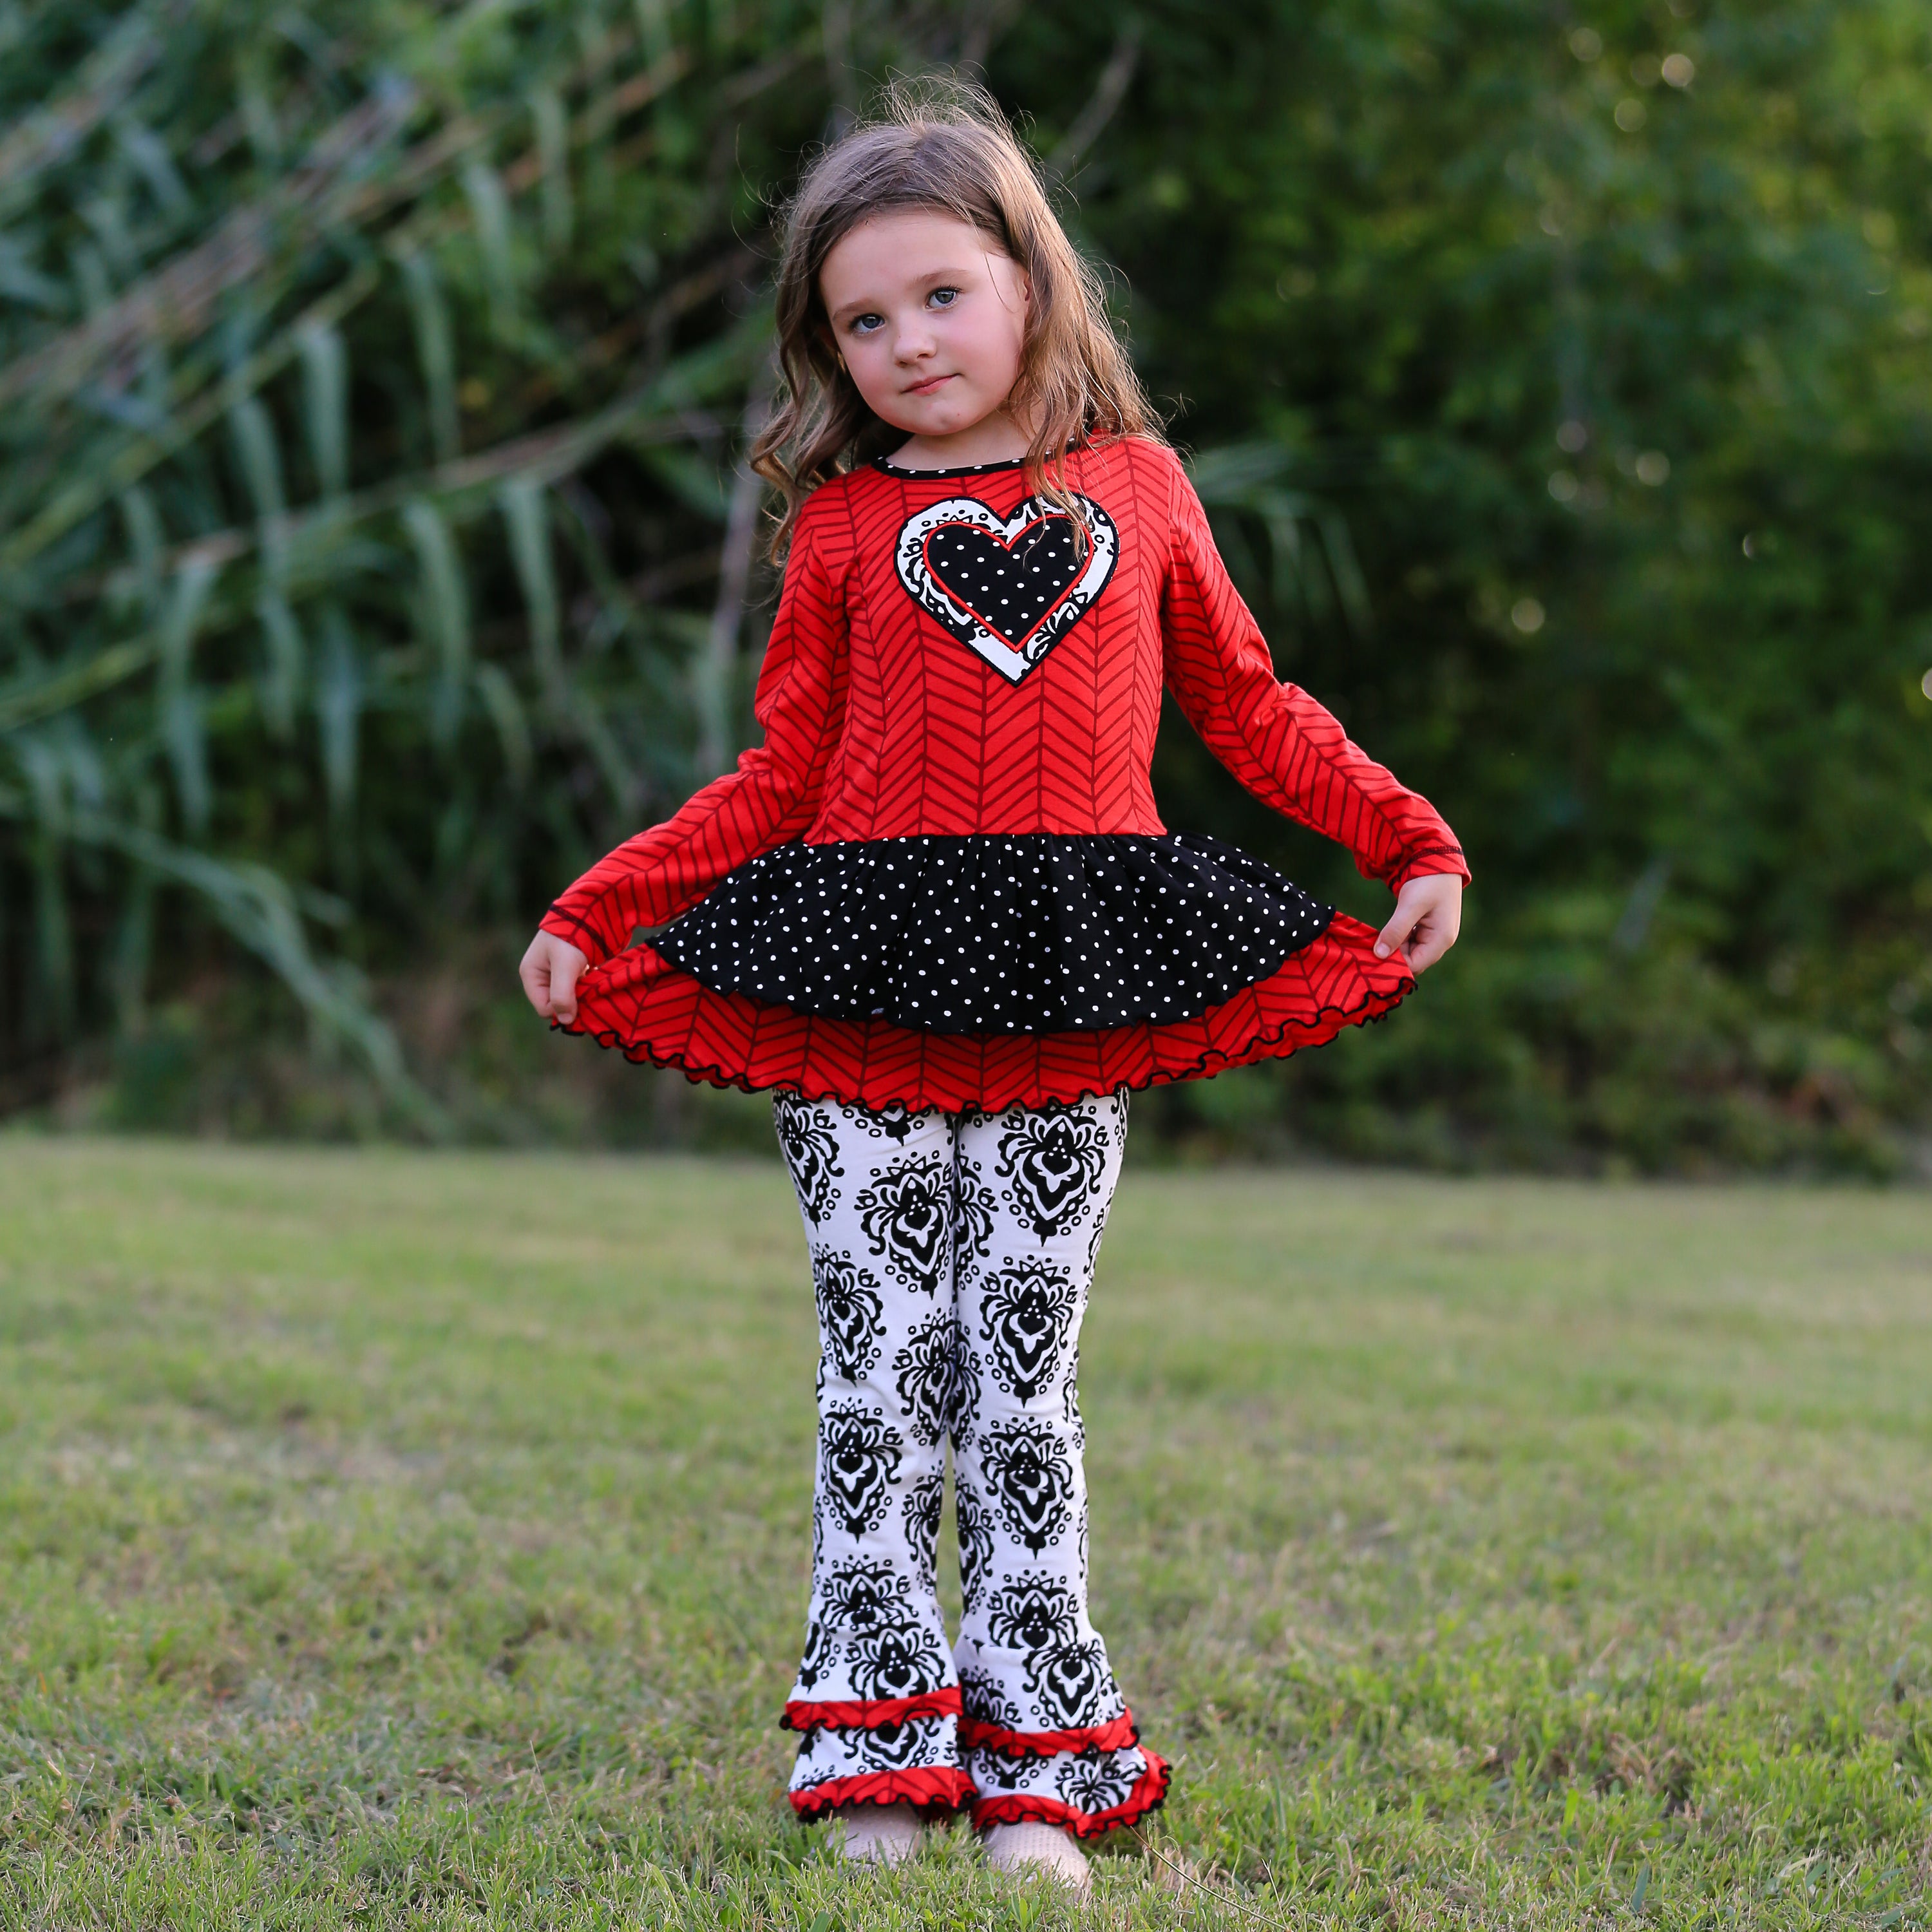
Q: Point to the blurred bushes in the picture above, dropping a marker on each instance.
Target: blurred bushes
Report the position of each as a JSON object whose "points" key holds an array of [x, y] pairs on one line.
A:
{"points": [[372, 384]]}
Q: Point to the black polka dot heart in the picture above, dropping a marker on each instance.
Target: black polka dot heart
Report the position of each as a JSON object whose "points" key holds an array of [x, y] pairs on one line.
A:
{"points": [[1009, 587]]}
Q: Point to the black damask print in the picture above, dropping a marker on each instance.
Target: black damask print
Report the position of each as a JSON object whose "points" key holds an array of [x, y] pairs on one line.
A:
{"points": [[818, 1654], [1031, 1479], [867, 1593], [1003, 1770], [1025, 1314], [1054, 1161], [889, 1663], [1030, 1612], [968, 1370], [950, 1284], [851, 1316], [974, 1206], [925, 1369], [903, 1213], [811, 1151], [975, 1530], [919, 1515], [890, 1746], [1094, 1240], [983, 1699], [1072, 1684], [860, 1454], [1069, 1406], [890, 1123], [1096, 1781]]}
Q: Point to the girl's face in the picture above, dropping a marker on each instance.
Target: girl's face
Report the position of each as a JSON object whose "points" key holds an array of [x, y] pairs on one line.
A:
{"points": [[929, 318]]}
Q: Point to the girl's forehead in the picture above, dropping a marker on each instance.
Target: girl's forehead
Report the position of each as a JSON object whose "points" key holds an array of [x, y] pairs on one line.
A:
{"points": [[900, 244]]}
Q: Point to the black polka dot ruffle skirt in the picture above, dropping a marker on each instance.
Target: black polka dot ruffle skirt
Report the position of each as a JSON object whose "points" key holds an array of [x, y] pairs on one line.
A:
{"points": [[1034, 933]]}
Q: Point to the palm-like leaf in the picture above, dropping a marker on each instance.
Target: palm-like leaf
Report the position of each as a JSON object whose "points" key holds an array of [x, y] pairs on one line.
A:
{"points": [[298, 343]]}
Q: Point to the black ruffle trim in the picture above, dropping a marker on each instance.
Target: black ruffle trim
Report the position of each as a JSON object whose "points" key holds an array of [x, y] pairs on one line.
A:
{"points": [[1038, 932]]}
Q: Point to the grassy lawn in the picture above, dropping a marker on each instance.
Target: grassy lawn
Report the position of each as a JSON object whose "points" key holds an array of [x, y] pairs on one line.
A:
{"points": [[390, 1538]]}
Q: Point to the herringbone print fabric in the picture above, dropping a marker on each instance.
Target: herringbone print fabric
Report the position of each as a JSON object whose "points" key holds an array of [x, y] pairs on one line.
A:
{"points": [[952, 1256], [881, 723]]}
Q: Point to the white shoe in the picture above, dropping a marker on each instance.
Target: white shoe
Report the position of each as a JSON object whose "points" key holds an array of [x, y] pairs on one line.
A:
{"points": [[1031, 1846], [880, 1834]]}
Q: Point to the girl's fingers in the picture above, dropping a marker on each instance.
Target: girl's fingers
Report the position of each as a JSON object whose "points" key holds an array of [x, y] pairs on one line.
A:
{"points": [[534, 972], [1428, 946], [549, 971], [1401, 922], [1425, 917], [563, 989]]}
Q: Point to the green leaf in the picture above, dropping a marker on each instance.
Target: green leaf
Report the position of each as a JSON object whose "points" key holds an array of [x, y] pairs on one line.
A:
{"points": [[257, 907], [436, 354], [20, 281], [526, 516], [489, 211], [184, 733], [282, 674], [194, 584], [654, 29], [181, 720], [338, 708], [505, 711], [325, 403], [553, 127], [150, 156], [143, 523], [446, 607], [259, 455]]}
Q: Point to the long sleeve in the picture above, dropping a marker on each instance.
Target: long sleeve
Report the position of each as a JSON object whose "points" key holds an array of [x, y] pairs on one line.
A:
{"points": [[770, 799], [1288, 750]]}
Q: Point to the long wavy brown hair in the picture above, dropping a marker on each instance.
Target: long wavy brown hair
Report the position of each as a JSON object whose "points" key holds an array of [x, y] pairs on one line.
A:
{"points": [[944, 146]]}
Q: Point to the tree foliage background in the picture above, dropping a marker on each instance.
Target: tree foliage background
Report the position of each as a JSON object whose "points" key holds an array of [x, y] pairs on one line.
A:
{"points": [[375, 550]]}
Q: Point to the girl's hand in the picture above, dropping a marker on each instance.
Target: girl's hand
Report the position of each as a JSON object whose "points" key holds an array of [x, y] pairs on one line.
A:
{"points": [[550, 974], [1428, 915]]}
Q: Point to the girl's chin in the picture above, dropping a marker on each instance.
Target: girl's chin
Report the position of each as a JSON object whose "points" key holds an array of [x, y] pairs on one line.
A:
{"points": [[948, 419], [938, 433]]}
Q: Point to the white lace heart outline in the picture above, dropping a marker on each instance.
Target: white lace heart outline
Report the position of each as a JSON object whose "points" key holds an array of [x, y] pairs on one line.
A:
{"points": [[1073, 603]]}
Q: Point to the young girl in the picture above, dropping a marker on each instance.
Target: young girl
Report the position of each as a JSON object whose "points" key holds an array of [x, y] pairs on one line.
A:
{"points": [[937, 914]]}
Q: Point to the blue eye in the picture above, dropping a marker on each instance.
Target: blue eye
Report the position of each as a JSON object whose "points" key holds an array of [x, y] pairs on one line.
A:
{"points": [[864, 324], [943, 298]]}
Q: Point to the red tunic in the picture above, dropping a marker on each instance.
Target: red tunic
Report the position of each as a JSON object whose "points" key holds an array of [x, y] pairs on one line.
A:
{"points": [[901, 700]]}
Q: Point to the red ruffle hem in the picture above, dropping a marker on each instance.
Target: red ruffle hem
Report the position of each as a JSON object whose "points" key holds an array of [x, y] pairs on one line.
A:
{"points": [[938, 1787], [651, 1010], [856, 1714], [1116, 1735], [1149, 1794]]}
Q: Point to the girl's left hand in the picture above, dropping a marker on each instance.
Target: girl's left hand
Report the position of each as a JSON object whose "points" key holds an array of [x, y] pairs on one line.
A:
{"points": [[1428, 915]]}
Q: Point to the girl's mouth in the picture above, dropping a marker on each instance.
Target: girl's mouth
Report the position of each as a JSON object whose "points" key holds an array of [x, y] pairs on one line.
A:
{"points": [[926, 388]]}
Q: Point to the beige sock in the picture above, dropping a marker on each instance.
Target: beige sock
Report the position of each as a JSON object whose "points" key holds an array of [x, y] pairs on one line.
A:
{"points": [[882, 1835], [1030, 1846]]}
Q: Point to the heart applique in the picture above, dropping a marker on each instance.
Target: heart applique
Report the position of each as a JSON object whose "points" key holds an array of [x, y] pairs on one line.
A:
{"points": [[1009, 587]]}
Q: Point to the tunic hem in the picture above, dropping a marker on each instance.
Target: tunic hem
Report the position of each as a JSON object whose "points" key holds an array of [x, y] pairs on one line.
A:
{"points": [[653, 1012]]}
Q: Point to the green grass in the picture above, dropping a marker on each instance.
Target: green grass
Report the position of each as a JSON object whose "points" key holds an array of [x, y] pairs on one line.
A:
{"points": [[392, 1538]]}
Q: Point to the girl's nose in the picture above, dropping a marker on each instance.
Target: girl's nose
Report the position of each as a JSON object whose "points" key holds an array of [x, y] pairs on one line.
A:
{"points": [[913, 343]]}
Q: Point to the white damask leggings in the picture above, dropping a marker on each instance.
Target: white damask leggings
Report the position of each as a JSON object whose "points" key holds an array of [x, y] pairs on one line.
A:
{"points": [[952, 1255]]}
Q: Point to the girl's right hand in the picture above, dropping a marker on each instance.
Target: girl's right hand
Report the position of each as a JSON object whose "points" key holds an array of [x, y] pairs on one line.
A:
{"points": [[550, 974]]}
